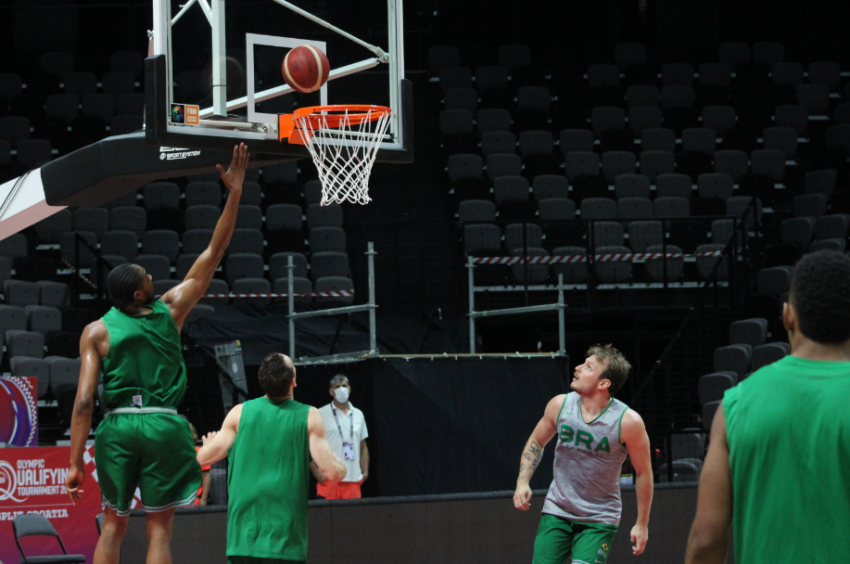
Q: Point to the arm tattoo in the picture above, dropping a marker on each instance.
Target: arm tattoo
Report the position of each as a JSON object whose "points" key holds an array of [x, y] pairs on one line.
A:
{"points": [[533, 455]]}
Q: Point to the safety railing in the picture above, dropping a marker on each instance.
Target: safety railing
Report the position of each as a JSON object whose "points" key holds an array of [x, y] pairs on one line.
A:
{"points": [[558, 306], [724, 266], [371, 306]]}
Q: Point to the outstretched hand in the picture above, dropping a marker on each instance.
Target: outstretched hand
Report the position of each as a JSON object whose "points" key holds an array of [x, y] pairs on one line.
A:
{"points": [[235, 174]]}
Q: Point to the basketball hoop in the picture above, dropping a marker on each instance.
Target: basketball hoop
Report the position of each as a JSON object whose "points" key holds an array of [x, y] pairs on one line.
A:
{"points": [[343, 141]]}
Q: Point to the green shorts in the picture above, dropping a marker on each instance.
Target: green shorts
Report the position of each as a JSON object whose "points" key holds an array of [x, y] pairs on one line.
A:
{"points": [[154, 451], [558, 538]]}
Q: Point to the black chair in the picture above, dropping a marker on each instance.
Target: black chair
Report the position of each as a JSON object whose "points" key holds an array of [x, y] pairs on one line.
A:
{"points": [[33, 524]]}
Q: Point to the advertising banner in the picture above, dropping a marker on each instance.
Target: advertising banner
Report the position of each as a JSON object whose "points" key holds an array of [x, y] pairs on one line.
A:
{"points": [[32, 481], [19, 411]]}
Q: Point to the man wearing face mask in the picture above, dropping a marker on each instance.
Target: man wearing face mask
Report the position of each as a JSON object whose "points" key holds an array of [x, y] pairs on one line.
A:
{"points": [[347, 433]]}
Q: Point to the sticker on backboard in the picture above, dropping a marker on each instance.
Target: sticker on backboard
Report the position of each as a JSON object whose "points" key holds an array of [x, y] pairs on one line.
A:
{"points": [[185, 114]]}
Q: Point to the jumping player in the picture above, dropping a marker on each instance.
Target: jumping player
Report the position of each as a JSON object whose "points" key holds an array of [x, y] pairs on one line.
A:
{"points": [[137, 346], [269, 442], [778, 461], [594, 432]]}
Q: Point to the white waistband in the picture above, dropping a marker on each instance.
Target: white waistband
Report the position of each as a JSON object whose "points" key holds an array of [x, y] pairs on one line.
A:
{"points": [[134, 410]]}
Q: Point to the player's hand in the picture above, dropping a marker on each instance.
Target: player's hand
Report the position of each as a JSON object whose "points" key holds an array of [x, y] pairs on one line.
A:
{"points": [[640, 534], [73, 481], [522, 497], [206, 439], [235, 175]]}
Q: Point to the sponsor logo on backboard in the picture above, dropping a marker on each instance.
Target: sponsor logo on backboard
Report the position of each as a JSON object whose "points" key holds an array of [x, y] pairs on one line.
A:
{"points": [[185, 114], [177, 153]]}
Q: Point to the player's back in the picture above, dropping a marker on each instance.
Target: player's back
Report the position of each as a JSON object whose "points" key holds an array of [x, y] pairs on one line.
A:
{"points": [[268, 478], [788, 428], [144, 366]]}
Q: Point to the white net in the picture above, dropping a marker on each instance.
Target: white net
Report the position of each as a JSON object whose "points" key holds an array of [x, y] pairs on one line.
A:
{"points": [[345, 161]]}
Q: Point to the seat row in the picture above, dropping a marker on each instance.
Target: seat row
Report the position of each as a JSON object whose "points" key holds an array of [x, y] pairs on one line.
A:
{"points": [[708, 185], [611, 164], [591, 208], [241, 265], [198, 216], [61, 63], [610, 266], [631, 60], [52, 373], [256, 290], [640, 235], [613, 136], [171, 244]]}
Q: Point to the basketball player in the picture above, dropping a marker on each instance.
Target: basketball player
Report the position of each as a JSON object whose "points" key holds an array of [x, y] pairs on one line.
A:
{"points": [[137, 346], [594, 433], [269, 442], [779, 459]]}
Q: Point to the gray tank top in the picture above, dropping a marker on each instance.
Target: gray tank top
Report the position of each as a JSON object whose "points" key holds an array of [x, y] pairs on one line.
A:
{"points": [[588, 461]]}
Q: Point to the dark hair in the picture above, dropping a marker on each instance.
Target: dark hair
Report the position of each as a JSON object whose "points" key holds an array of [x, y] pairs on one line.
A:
{"points": [[122, 283], [820, 294], [617, 369], [276, 374]]}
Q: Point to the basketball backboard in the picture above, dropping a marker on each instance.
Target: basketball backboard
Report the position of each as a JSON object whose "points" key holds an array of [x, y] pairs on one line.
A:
{"points": [[215, 75]]}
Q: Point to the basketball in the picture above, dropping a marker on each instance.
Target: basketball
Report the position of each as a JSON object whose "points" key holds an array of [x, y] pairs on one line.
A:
{"points": [[305, 68]]}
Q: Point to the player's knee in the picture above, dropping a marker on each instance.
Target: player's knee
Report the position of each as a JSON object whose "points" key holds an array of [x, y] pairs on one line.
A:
{"points": [[158, 526], [113, 524], [116, 529]]}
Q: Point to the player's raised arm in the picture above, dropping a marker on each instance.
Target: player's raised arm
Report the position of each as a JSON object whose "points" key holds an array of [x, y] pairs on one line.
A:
{"points": [[532, 454], [633, 434], [182, 298], [217, 444], [331, 466]]}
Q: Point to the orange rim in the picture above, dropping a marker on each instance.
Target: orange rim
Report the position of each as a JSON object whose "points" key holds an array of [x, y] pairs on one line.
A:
{"points": [[289, 125]]}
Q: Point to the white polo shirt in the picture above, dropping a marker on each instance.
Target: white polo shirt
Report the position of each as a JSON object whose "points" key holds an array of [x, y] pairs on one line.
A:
{"points": [[355, 418]]}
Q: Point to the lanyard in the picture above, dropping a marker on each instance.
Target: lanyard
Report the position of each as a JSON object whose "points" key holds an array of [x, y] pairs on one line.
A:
{"points": [[350, 420]]}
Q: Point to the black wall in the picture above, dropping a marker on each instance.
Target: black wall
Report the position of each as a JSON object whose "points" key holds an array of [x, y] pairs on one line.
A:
{"points": [[483, 528], [436, 425]]}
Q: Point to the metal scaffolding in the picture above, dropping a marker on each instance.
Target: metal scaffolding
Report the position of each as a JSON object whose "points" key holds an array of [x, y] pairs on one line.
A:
{"points": [[473, 315]]}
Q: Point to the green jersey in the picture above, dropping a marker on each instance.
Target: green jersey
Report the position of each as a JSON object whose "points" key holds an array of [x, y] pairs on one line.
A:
{"points": [[267, 481], [144, 366], [788, 429]]}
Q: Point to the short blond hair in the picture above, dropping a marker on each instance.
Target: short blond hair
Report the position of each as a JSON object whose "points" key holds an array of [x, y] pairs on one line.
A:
{"points": [[617, 367]]}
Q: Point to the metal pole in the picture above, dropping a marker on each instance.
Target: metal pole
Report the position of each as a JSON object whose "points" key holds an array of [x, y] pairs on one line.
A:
{"points": [[219, 62], [290, 289], [376, 50], [525, 261], [471, 279], [373, 342], [562, 326], [664, 252]]}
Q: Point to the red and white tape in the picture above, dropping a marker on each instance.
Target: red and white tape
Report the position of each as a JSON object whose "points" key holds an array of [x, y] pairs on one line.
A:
{"points": [[335, 294], [561, 259], [83, 277]]}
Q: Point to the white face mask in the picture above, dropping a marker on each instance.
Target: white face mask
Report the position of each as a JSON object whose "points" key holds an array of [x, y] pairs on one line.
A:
{"points": [[341, 394]]}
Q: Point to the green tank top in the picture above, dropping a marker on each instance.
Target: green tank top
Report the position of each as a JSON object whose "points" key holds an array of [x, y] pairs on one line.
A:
{"points": [[788, 428], [267, 481], [144, 366]]}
